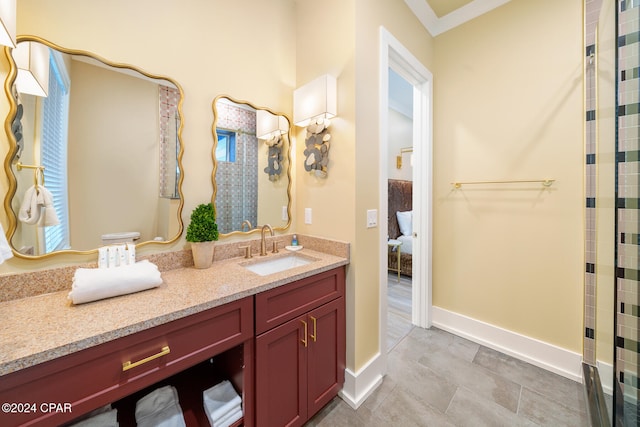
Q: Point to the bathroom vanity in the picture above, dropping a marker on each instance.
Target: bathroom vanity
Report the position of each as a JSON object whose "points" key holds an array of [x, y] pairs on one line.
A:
{"points": [[277, 338]]}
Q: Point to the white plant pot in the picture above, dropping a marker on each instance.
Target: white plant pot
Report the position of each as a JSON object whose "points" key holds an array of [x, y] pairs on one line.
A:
{"points": [[202, 254]]}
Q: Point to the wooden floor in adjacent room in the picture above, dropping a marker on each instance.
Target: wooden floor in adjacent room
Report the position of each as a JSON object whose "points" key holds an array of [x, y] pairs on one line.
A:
{"points": [[398, 309]]}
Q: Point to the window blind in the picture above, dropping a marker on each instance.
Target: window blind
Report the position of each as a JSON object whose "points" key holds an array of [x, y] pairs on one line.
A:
{"points": [[54, 154]]}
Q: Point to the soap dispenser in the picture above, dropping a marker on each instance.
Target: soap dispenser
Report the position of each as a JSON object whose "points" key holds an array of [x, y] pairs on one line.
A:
{"points": [[294, 240]]}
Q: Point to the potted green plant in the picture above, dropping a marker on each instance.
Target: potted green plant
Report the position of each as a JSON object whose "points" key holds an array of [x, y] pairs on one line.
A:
{"points": [[202, 232]]}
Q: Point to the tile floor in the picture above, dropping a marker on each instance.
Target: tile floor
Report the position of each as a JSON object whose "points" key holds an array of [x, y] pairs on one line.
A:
{"points": [[437, 379]]}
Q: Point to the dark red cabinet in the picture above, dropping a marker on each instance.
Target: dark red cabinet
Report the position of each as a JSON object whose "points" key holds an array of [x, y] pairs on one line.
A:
{"points": [[285, 371], [96, 376], [300, 361]]}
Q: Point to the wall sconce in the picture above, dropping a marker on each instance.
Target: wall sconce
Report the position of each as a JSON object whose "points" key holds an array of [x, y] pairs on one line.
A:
{"points": [[8, 23], [270, 128], [313, 105], [269, 125], [399, 158], [32, 60]]}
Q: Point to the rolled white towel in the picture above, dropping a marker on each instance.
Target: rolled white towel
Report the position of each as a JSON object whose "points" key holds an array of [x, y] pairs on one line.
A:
{"points": [[220, 400], [228, 419], [92, 284], [160, 408], [103, 419]]}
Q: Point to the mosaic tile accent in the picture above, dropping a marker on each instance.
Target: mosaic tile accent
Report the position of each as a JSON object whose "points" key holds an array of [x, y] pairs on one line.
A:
{"points": [[627, 218], [592, 12], [168, 98]]}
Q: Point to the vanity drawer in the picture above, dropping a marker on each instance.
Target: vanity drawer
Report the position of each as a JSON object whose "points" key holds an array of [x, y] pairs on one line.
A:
{"points": [[99, 375], [279, 305]]}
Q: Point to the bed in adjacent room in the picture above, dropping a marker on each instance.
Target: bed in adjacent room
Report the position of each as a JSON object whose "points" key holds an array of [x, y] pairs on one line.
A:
{"points": [[400, 221]]}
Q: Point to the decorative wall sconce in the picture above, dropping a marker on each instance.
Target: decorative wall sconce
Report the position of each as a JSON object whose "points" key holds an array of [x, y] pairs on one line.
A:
{"points": [[313, 105], [8, 23], [32, 60], [399, 158], [270, 128]]}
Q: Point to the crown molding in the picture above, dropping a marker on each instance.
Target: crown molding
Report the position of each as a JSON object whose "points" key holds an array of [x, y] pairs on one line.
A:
{"points": [[436, 26]]}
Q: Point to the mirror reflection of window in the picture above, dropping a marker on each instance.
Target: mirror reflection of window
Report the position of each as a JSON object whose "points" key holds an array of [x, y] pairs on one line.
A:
{"points": [[226, 148], [54, 152]]}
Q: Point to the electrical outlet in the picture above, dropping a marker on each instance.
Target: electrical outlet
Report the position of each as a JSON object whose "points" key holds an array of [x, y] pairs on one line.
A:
{"points": [[285, 215], [372, 218], [307, 215]]}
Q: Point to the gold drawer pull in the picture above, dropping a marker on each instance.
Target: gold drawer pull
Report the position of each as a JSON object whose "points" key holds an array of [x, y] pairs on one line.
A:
{"points": [[130, 365], [315, 333], [304, 340]]}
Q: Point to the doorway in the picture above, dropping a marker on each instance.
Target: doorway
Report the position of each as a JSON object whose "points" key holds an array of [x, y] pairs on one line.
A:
{"points": [[395, 59], [400, 209]]}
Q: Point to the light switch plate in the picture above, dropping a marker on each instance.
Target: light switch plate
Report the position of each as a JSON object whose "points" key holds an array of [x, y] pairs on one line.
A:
{"points": [[307, 215], [372, 218], [285, 215]]}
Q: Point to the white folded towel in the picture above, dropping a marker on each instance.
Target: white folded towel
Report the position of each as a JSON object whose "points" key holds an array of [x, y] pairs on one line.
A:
{"points": [[5, 249], [103, 419], [220, 400], [92, 284], [37, 207], [160, 408], [227, 419]]}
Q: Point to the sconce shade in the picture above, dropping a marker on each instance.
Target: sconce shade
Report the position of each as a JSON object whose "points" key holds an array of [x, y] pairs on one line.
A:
{"points": [[8, 23], [317, 99], [269, 125], [32, 60]]}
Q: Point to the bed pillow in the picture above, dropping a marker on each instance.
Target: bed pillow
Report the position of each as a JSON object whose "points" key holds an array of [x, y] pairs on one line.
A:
{"points": [[405, 222]]}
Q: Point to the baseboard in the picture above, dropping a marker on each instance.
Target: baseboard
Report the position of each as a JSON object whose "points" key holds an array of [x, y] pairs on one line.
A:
{"points": [[359, 385], [539, 353], [605, 371]]}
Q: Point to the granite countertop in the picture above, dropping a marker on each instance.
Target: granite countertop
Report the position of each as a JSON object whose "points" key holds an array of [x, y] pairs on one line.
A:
{"points": [[44, 327]]}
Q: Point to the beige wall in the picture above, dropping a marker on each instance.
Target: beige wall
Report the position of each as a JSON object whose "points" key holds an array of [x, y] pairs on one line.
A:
{"points": [[508, 105], [113, 133], [400, 136]]}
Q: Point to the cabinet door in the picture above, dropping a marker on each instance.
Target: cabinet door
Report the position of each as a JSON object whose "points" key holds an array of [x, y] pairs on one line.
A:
{"points": [[326, 354], [281, 375]]}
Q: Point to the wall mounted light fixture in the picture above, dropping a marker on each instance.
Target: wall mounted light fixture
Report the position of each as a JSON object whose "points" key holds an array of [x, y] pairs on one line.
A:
{"points": [[270, 128], [269, 125], [399, 157], [32, 60], [8, 23], [313, 105]]}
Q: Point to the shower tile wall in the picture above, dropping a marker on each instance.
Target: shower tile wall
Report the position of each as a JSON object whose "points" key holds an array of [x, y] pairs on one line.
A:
{"points": [[592, 12], [628, 205], [237, 182]]}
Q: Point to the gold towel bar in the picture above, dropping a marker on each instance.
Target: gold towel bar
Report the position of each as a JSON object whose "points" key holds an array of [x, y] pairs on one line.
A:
{"points": [[544, 182], [130, 365], [20, 166]]}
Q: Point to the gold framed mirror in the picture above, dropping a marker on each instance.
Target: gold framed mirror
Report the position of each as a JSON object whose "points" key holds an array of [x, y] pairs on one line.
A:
{"points": [[251, 167], [106, 143]]}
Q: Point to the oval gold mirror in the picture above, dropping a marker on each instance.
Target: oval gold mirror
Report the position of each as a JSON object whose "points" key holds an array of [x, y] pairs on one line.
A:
{"points": [[95, 153], [251, 167]]}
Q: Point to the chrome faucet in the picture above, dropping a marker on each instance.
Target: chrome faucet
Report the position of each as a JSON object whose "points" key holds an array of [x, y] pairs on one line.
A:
{"points": [[263, 246], [247, 223]]}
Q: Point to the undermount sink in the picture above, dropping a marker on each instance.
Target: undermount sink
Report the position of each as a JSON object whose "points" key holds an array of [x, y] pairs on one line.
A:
{"points": [[277, 265]]}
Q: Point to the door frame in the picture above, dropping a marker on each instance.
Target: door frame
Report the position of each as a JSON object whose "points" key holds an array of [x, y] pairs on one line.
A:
{"points": [[394, 55]]}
